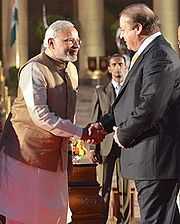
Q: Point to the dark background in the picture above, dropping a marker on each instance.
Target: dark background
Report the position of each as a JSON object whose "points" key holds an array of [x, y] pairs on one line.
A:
{"points": [[60, 9], [68, 9]]}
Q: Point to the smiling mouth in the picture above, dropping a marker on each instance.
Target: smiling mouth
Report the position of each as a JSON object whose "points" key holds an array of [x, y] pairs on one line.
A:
{"points": [[74, 51]]}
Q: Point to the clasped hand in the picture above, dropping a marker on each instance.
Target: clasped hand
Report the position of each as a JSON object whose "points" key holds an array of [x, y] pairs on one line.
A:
{"points": [[93, 133]]}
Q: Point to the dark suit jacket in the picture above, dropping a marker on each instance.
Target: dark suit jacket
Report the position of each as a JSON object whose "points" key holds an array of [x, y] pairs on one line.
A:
{"points": [[102, 101], [147, 112]]}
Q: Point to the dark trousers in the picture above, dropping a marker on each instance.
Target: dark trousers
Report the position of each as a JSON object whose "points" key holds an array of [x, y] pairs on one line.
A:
{"points": [[122, 185], [157, 201]]}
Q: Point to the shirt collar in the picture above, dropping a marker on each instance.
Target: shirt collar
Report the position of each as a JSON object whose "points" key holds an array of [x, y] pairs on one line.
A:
{"points": [[146, 42], [60, 64], [115, 84]]}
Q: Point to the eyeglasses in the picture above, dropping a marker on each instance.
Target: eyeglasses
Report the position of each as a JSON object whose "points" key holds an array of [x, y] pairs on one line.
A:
{"points": [[72, 41]]}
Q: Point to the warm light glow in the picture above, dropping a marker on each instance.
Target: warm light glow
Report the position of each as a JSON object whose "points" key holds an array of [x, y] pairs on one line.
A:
{"points": [[17, 58]]}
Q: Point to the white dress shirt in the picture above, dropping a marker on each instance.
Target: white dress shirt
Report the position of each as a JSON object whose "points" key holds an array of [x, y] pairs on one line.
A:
{"points": [[145, 43], [116, 86]]}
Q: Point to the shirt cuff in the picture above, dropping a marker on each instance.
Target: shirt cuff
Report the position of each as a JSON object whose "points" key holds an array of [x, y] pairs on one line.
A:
{"points": [[66, 128]]}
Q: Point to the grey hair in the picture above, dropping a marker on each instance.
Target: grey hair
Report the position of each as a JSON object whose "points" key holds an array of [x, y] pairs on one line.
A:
{"points": [[54, 28]]}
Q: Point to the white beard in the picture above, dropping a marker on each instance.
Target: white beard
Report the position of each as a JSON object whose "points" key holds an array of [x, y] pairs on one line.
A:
{"points": [[71, 58]]}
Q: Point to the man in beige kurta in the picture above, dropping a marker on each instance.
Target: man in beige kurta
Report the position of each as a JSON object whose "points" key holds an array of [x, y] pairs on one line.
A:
{"points": [[33, 158]]}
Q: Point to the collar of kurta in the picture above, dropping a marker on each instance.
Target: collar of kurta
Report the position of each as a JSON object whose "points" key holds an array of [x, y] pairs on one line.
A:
{"points": [[62, 65]]}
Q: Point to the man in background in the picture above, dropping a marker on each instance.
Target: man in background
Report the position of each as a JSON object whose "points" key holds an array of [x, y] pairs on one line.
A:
{"points": [[108, 152]]}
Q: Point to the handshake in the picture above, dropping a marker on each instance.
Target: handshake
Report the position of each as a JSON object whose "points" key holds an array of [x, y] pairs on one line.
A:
{"points": [[93, 133]]}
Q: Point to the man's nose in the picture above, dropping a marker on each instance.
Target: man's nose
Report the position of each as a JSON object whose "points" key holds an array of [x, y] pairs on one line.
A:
{"points": [[118, 66], [76, 45]]}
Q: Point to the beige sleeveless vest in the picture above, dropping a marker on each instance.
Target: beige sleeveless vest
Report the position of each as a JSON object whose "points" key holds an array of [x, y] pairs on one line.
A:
{"points": [[25, 141]]}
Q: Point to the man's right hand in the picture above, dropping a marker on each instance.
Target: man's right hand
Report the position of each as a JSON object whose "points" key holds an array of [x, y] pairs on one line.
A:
{"points": [[93, 133]]}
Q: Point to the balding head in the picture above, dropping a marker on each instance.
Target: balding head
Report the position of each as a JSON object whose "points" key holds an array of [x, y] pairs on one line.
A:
{"points": [[142, 14]]}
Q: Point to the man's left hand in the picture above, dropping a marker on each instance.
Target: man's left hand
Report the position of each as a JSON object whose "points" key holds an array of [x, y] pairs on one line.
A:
{"points": [[116, 137]]}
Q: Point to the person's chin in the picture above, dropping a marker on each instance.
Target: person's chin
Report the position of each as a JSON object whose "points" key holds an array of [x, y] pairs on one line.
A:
{"points": [[72, 58], [129, 48]]}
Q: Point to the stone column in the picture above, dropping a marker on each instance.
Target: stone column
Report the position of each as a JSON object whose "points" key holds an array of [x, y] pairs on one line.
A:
{"points": [[168, 14], [16, 54], [6, 33], [91, 18], [23, 32]]}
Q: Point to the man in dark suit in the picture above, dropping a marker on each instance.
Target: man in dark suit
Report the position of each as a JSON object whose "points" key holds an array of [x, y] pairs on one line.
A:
{"points": [[146, 114], [108, 152]]}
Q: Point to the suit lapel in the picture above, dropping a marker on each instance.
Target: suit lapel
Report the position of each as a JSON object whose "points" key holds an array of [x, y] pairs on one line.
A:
{"points": [[107, 96], [129, 75], [110, 92], [132, 71]]}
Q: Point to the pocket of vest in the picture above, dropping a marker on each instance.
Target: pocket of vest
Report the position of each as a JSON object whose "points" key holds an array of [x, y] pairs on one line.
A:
{"points": [[41, 140]]}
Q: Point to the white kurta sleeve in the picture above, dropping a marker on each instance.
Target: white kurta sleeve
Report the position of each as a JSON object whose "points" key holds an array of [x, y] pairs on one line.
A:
{"points": [[34, 89]]}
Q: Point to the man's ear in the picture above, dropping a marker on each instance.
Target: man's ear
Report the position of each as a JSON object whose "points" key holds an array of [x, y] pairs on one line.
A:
{"points": [[138, 28], [51, 42]]}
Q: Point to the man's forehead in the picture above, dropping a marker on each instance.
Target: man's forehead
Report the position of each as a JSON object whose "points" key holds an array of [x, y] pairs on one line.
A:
{"points": [[117, 60], [71, 31], [124, 21]]}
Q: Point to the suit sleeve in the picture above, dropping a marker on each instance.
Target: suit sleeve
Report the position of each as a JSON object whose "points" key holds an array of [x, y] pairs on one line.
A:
{"points": [[107, 120], [95, 113], [156, 90]]}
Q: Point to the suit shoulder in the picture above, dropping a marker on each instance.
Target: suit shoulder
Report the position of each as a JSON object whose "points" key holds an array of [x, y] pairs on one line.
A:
{"points": [[160, 53], [99, 87], [102, 87], [161, 49]]}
